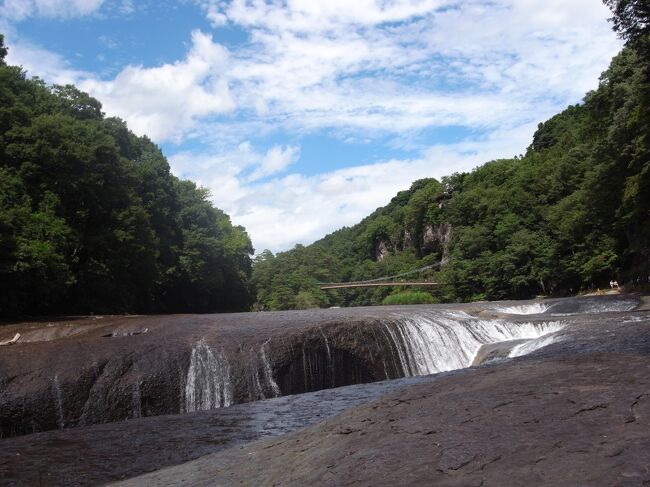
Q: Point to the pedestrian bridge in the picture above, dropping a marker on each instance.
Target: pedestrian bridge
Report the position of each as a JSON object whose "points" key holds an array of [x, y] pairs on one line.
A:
{"points": [[384, 281], [341, 285]]}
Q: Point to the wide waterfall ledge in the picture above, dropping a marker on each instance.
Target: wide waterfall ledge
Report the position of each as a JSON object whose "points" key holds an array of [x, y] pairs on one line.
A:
{"points": [[455, 340], [105, 369], [408, 345]]}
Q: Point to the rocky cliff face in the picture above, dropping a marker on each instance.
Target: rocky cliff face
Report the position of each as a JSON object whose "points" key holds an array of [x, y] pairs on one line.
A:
{"points": [[382, 249], [109, 369], [435, 239]]}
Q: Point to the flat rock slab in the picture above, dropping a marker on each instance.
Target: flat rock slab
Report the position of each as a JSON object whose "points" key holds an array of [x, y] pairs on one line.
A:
{"points": [[582, 420], [573, 412], [97, 454]]}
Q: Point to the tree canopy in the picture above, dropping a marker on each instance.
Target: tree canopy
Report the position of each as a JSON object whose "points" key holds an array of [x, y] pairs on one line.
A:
{"points": [[92, 220], [631, 18]]}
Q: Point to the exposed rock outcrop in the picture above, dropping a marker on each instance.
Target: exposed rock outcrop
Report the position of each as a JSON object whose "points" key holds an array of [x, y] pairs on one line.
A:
{"points": [[435, 239], [407, 241], [381, 250]]}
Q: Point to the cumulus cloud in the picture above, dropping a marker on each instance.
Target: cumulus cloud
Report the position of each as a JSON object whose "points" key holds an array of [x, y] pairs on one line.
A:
{"points": [[276, 160], [43, 63], [367, 66], [295, 208], [16, 10], [406, 65], [227, 173], [371, 70], [166, 101]]}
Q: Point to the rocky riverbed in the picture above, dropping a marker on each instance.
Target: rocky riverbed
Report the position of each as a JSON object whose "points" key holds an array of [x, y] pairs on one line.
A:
{"points": [[561, 383]]}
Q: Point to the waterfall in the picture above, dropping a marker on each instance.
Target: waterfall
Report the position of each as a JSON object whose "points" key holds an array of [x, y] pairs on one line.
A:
{"points": [[136, 401], [261, 383], [255, 391], [330, 361], [56, 389], [420, 345], [592, 304], [406, 364], [532, 345], [524, 309], [307, 368], [448, 341], [268, 372], [208, 384]]}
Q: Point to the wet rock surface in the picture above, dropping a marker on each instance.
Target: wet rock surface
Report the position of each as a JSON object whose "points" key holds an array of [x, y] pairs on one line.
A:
{"points": [[97, 454], [102, 369], [582, 420], [447, 430], [79, 372]]}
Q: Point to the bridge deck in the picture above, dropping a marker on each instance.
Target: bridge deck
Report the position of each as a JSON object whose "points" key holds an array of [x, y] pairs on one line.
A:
{"points": [[340, 285]]}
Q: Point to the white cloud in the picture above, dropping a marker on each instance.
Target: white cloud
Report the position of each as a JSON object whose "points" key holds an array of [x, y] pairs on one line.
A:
{"points": [[45, 64], [227, 174], [300, 209], [16, 10], [367, 69], [402, 65], [310, 16], [165, 102], [367, 66], [127, 7], [276, 160]]}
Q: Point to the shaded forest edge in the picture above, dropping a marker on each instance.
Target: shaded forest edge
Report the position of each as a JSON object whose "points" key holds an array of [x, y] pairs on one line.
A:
{"points": [[570, 214], [92, 220]]}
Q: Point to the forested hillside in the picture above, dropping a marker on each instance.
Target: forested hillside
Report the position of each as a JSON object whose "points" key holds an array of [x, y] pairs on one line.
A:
{"points": [[92, 220], [571, 214]]}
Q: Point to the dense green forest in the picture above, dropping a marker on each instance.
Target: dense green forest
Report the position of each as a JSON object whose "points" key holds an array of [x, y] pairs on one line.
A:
{"points": [[570, 214], [92, 220]]}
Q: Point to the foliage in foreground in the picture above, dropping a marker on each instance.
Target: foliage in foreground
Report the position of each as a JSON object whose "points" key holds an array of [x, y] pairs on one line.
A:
{"points": [[409, 297], [92, 220]]}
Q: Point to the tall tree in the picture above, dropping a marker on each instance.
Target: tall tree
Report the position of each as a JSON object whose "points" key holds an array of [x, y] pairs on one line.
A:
{"points": [[91, 218], [631, 18]]}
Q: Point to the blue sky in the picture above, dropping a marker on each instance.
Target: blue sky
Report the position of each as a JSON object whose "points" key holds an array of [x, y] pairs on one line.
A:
{"points": [[302, 116]]}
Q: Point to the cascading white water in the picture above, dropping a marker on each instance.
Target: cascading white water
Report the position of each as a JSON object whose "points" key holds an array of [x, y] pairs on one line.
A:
{"points": [[524, 309], [208, 384], [425, 344], [448, 341], [594, 306], [59, 401], [566, 308], [327, 346], [532, 345], [136, 401], [261, 382], [268, 372]]}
